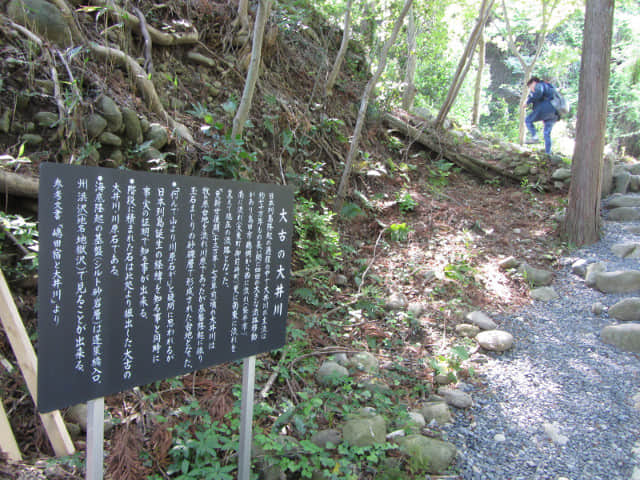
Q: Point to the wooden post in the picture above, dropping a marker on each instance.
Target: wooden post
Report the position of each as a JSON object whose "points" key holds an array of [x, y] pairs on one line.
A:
{"points": [[7, 441], [26, 356]]}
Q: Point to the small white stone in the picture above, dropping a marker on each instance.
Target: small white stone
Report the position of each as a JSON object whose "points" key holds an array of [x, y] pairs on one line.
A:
{"points": [[499, 437]]}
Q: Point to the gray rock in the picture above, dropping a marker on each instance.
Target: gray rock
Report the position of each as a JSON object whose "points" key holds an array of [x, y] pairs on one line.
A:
{"points": [[396, 301], [627, 250], [634, 183], [417, 419], [151, 153], [521, 170], [158, 136], [624, 214], [95, 124], [416, 308], [341, 358], [627, 310], [324, 437], [625, 336], [579, 267], [45, 119], [428, 454], [495, 340], [442, 379], [597, 308], [331, 373], [607, 174], [438, 411], [544, 294], [561, 174], [621, 182], [455, 397], [594, 269], [624, 201], [508, 263], [499, 437], [41, 17], [78, 415], [363, 432], [111, 112], [32, 139], [553, 432], [481, 320], [620, 281], [116, 156], [536, 276], [632, 168], [365, 362], [429, 276], [110, 139], [467, 330], [132, 127]]}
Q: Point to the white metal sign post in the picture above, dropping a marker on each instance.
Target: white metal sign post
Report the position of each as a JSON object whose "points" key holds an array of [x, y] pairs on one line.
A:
{"points": [[95, 439], [246, 417]]}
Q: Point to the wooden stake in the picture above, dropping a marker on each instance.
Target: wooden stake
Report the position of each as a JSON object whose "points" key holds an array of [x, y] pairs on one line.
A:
{"points": [[27, 361], [7, 440]]}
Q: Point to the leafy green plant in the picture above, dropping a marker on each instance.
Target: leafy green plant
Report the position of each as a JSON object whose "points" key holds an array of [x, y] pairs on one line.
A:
{"points": [[439, 172], [461, 271], [318, 243], [406, 203], [24, 232], [450, 363], [207, 453], [399, 232]]}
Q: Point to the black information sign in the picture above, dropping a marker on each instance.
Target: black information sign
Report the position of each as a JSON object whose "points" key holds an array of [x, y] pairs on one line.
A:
{"points": [[147, 276]]}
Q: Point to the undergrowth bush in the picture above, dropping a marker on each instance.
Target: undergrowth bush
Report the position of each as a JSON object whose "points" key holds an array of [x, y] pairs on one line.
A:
{"points": [[318, 242]]}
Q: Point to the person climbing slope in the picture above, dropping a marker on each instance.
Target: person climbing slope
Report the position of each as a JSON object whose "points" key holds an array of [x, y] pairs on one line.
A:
{"points": [[542, 111]]}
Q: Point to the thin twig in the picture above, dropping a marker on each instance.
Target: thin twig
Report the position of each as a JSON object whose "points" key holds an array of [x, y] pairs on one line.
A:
{"points": [[10, 236], [366, 270]]}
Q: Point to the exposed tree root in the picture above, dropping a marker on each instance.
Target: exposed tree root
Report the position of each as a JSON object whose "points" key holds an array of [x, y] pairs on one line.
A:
{"points": [[145, 85], [158, 37], [18, 185]]}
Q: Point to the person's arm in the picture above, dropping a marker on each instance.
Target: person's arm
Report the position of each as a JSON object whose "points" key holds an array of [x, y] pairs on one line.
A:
{"points": [[537, 94]]}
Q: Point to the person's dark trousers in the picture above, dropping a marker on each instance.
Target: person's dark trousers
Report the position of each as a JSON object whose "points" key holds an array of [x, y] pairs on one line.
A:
{"points": [[549, 118]]}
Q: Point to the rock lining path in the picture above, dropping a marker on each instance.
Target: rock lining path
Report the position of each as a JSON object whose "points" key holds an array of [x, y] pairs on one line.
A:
{"points": [[562, 404]]}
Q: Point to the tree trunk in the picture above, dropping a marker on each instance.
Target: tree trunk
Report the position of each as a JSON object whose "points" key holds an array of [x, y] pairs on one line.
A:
{"points": [[254, 69], [243, 15], [523, 99], [353, 149], [465, 62], [409, 93], [583, 213], [346, 35], [477, 93]]}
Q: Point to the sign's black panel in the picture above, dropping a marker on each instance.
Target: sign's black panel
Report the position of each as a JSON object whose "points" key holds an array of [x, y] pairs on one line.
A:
{"points": [[146, 276]]}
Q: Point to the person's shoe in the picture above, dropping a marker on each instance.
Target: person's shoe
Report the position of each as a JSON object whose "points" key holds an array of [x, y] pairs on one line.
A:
{"points": [[531, 140]]}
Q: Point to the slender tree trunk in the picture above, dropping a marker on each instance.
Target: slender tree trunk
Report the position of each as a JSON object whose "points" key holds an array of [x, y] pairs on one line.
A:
{"points": [[243, 14], [254, 69], [524, 93], [364, 103], [346, 35], [583, 214], [409, 93], [477, 93], [465, 62]]}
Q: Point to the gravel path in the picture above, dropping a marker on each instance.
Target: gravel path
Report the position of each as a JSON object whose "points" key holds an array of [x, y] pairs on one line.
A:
{"points": [[559, 405]]}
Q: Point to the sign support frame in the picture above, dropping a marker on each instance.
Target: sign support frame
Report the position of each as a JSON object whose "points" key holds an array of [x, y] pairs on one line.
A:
{"points": [[246, 417], [95, 439]]}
